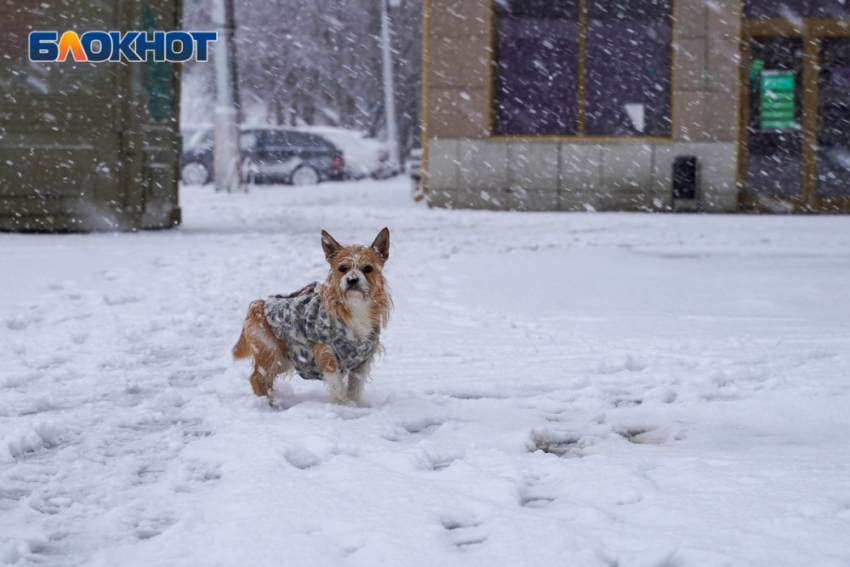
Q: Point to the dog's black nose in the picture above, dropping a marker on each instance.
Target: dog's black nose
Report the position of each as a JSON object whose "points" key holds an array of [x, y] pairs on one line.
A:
{"points": [[352, 280]]}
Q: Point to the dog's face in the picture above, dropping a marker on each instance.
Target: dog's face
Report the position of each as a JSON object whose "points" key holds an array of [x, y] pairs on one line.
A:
{"points": [[357, 274]]}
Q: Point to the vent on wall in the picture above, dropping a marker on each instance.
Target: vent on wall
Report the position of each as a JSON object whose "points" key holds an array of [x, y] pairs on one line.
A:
{"points": [[685, 178]]}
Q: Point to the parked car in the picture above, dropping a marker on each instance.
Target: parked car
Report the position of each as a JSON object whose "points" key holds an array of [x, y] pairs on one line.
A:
{"points": [[273, 155], [364, 156]]}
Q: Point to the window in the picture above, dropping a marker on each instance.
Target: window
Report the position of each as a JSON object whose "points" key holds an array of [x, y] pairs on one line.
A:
{"points": [[537, 54], [788, 9], [277, 139], [200, 139], [614, 83], [300, 139], [314, 141], [628, 67], [320, 142]]}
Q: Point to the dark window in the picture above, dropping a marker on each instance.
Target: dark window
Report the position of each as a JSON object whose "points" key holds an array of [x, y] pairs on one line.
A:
{"points": [[315, 141], [789, 9], [833, 148], [537, 55], [627, 63], [277, 139], [300, 139], [628, 68], [323, 143]]}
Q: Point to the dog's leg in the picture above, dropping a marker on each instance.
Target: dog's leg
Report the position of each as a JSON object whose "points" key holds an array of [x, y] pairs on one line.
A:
{"points": [[268, 364], [330, 371], [357, 380], [259, 343]]}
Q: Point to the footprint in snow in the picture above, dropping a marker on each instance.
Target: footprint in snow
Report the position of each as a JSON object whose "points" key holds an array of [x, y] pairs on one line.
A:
{"points": [[113, 300], [643, 434], [533, 494], [410, 431], [198, 471], [23, 321], [465, 533], [558, 443], [438, 460], [626, 402], [440, 463], [151, 527]]}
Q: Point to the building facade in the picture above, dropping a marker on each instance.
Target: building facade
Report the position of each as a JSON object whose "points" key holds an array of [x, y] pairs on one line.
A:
{"points": [[87, 146], [712, 105]]}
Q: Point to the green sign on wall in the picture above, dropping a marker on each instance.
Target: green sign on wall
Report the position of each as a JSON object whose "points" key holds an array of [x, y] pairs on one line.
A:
{"points": [[157, 80], [777, 100]]}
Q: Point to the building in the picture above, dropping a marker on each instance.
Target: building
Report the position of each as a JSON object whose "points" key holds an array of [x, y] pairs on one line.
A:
{"points": [[713, 105], [87, 146]]}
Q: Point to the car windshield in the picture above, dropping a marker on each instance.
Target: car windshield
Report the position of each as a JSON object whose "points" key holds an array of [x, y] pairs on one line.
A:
{"points": [[199, 139]]}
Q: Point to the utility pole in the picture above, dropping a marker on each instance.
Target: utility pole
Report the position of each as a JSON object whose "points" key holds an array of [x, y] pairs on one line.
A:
{"points": [[228, 157], [389, 88]]}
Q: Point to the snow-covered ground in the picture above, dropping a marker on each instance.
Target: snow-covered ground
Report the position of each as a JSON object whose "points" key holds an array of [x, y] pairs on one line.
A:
{"points": [[604, 390]]}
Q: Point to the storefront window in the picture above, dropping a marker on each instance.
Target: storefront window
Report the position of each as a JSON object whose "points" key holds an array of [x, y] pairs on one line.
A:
{"points": [[624, 89], [790, 9], [628, 68], [833, 148], [537, 69]]}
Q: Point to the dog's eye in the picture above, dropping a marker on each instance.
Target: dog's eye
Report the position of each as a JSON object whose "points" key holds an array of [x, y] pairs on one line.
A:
{"points": [[367, 269], [343, 269]]}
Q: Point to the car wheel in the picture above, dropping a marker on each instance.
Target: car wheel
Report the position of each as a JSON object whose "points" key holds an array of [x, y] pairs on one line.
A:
{"points": [[305, 175], [195, 173]]}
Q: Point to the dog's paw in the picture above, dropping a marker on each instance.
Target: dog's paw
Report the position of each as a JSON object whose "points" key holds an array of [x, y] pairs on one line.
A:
{"points": [[362, 403]]}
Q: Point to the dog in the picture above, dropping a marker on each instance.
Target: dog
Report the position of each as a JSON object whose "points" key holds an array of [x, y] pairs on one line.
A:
{"points": [[323, 331]]}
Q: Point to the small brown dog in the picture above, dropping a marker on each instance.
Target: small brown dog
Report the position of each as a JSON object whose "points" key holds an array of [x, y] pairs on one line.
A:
{"points": [[323, 331]]}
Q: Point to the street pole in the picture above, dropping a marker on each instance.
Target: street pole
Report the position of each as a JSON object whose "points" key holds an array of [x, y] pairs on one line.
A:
{"points": [[228, 157], [389, 89]]}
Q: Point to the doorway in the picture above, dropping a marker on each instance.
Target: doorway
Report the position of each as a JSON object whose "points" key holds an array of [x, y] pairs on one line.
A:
{"points": [[795, 116]]}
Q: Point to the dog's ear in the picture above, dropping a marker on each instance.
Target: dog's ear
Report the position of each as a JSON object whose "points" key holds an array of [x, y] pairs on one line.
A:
{"points": [[330, 246], [381, 246]]}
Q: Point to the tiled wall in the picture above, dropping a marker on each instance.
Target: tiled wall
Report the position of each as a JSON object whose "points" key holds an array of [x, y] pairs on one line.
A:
{"points": [[706, 72], [459, 55], [538, 176], [467, 169]]}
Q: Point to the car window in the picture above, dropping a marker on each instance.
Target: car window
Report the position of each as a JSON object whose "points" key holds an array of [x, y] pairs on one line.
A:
{"points": [[200, 139], [277, 139], [312, 141], [300, 139], [319, 142], [248, 141]]}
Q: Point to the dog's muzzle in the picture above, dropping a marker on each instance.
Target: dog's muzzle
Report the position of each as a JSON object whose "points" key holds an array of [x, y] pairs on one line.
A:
{"points": [[352, 282]]}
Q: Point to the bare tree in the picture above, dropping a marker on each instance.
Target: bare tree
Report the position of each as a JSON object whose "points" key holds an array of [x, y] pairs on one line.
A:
{"points": [[319, 61]]}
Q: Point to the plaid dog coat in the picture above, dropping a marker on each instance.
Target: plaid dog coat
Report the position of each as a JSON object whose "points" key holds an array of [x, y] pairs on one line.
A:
{"points": [[300, 320]]}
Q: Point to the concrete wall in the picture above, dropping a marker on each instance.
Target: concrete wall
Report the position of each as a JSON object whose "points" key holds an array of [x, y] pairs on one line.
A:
{"points": [[466, 168]]}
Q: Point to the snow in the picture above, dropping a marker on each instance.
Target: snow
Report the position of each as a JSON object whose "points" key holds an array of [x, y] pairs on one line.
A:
{"points": [[558, 389]]}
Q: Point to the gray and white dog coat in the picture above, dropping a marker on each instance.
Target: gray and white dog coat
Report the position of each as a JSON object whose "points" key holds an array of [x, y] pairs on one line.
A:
{"points": [[300, 320]]}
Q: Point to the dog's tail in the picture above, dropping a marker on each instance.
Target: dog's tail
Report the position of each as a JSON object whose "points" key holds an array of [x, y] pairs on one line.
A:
{"points": [[256, 315], [241, 349]]}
